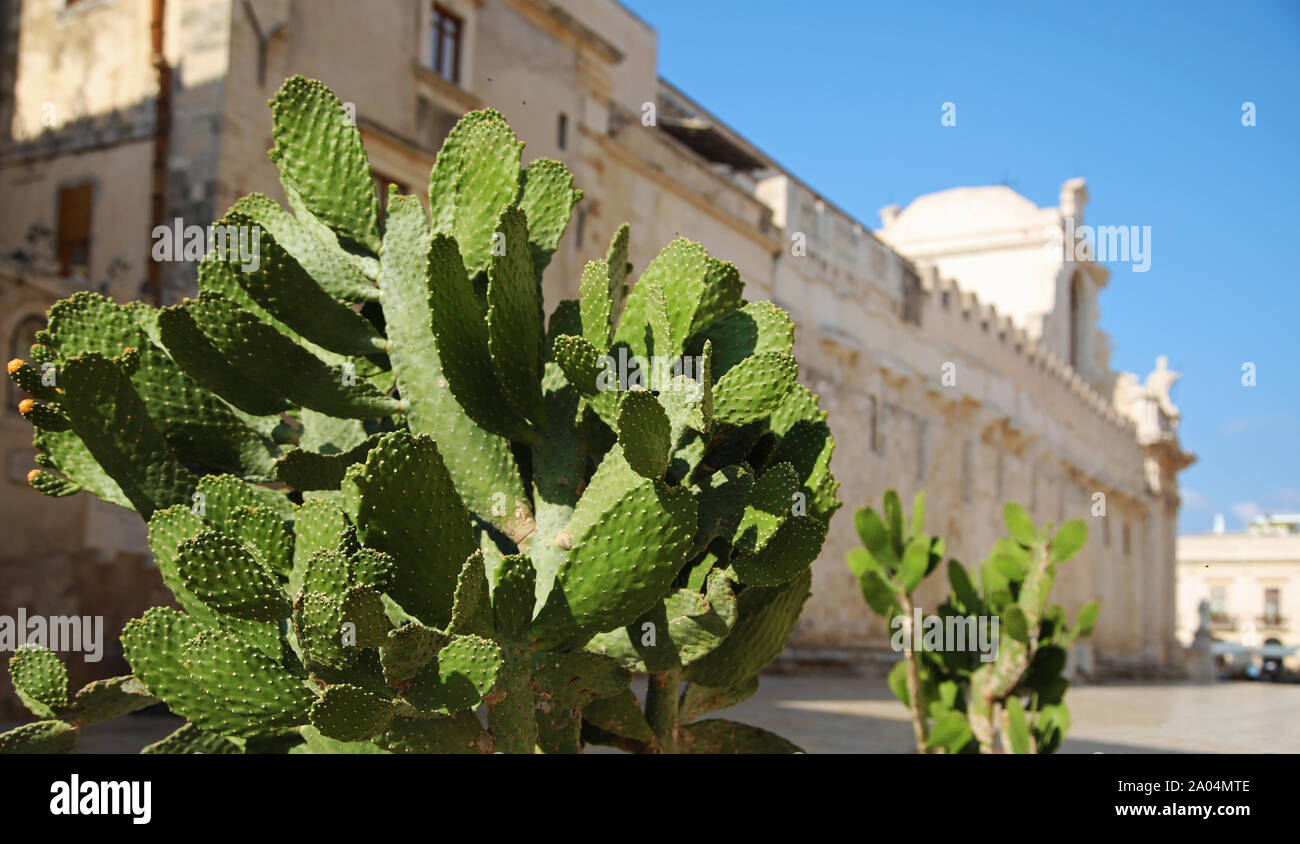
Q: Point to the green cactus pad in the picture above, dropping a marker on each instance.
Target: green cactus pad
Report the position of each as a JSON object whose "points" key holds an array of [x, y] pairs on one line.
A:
{"points": [[547, 200], [579, 360], [410, 509], [318, 254], [223, 574], [29, 380], [593, 292], [308, 470], [755, 388], [723, 293], [722, 498], [48, 483], [319, 153], [318, 628], [249, 685], [808, 447], [314, 742], [684, 401], [481, 463], [167, 530], [65, 452], [766, 618], [619, 267], [200, 428], [110, 418], [263, 530], [674, 281], [104, 700], [513, 318], [472, 607], [458, 678], [281, 286], [789, 551], [461, 331], [409, 649], [513, 598], [701, 700], [220, 279], [611, 575], [573, 680], [559, 731], [621, 715], [317, 525], [363, 608], [476, 176], [756, 328], [348, 713], [716, 735], [253, 346], [223, 495], [683, 627], [768, 507], [39, 737], [190, 739], [643, 431], [153, 645], [40, 679], [458, 733], [203, 361], [47, 417]]}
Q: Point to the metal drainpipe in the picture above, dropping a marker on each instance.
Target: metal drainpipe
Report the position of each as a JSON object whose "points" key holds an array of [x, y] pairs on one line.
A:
{"points": [[161, 139]]}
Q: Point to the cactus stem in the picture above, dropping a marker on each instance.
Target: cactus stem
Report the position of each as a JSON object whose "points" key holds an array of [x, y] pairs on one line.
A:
{"points": [[914, 678], [661, 709], [511, 717], [992, 683]]}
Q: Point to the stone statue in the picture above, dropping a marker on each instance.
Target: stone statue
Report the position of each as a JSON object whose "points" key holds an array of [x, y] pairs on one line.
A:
{"points": [[1160, 382]]}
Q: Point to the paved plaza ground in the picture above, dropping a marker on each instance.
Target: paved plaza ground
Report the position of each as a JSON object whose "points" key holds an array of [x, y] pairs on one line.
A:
{"points": [[841, 714], [834, 714]]}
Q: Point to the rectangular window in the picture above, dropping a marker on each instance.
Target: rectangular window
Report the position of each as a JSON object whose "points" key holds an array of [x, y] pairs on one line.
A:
{"points": [[445, 31], [562, 131], [74, 227], [876, 437], [1218, 602], [967, 470], [1272, 605]]}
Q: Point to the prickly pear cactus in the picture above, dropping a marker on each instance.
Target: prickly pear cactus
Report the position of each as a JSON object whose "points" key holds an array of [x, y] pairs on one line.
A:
{"points": [[961, 701], [385, 491]]}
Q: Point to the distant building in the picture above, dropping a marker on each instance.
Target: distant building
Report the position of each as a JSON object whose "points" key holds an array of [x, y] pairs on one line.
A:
{"points": [[954, 349], [1250, 581]]}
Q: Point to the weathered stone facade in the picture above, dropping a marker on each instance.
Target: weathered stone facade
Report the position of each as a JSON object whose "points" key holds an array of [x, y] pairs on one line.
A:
{"points": [[941, 347]]}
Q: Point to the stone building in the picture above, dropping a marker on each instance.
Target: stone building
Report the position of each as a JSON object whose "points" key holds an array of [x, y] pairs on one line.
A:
{"points": [[956, 349], [1249, 580]]}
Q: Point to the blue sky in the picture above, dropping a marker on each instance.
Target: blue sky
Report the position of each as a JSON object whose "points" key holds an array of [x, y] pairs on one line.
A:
{"points": [[1144, 100]]}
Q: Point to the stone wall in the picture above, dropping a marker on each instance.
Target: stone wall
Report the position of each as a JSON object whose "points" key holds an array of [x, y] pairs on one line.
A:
{"points": [[80, 583]]}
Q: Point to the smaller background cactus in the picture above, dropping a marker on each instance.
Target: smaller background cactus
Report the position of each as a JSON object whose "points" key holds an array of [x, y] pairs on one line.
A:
{"points": [[958, 703]]}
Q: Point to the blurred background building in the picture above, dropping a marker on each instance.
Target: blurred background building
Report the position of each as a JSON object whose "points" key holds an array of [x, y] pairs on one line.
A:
{"points": [[955, 349], [1250, 583]]}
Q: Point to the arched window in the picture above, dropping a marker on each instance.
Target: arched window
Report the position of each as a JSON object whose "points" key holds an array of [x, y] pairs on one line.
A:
{"points": [[20, 346]]}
